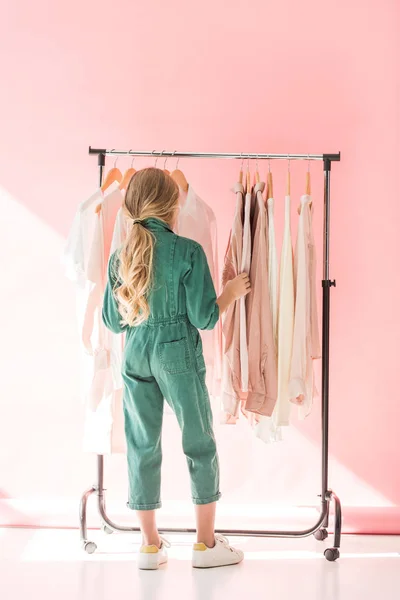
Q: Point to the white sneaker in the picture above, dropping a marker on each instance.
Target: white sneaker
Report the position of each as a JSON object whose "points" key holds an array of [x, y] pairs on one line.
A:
{"points": [[151, 557], [221, 555]]}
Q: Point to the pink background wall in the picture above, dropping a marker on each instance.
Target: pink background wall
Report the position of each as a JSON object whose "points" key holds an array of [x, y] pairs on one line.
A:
{"points": [[216, 76]]}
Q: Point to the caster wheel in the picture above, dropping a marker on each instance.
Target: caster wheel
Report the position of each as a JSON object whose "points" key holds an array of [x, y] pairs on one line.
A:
{"points": [[332, 554], [89, 547], [321, 535], [107, 529]]}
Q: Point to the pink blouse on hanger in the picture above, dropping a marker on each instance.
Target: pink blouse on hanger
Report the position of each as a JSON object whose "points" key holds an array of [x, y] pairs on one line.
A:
{"points": [[231, 365], [263, 383], [306, 345]]}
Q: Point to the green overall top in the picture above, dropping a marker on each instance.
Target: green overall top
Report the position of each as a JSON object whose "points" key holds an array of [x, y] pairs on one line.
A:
{"points": [[163, 359], [182, 283]]}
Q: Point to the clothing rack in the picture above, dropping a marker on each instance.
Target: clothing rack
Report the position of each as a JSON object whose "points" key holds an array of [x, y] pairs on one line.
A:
{"points": [[319, 529]]}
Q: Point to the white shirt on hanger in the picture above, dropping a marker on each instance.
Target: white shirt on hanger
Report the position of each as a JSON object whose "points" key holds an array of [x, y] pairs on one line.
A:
{"points": [[267, 428], [85, 259], [306, 345], [197, 221], [285, 322], [245, 268]]}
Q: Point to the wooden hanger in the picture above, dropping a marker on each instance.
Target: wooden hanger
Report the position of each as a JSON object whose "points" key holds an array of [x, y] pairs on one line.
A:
{"points": [[166, 170], [308, 184], [241, 171], [248, 178], [129, 173], [257, 172], [270, 186], [180, 178], [113, 175]]}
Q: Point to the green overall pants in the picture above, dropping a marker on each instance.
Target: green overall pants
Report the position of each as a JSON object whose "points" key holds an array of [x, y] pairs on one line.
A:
{"points": [[163, 358]]}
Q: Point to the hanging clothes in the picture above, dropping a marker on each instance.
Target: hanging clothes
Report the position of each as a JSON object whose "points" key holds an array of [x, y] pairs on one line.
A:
{"points": [[197, 221], [285, 322], [85, 258], [266, 428], [273, 269], [231, 367], [306, 346], [262, 394], [117, 342], [245, 268]]}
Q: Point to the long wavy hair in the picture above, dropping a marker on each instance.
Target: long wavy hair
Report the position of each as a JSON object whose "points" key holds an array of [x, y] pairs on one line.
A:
{"points": [[150, 193]]}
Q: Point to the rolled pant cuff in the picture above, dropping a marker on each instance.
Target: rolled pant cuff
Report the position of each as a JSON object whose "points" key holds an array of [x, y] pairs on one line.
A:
{"points": [[207, 500], [134, 506]]}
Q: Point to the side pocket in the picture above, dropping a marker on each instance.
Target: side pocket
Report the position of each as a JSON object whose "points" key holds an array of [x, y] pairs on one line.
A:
{"points": [[174, 356], [198, 349], [204, 400]]}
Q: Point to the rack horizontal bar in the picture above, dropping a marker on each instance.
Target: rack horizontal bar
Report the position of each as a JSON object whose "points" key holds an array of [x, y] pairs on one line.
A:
{"points": [[223, 155]]}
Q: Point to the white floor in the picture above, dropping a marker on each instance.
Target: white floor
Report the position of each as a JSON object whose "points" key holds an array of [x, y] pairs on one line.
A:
{"points": [[50, 564]]}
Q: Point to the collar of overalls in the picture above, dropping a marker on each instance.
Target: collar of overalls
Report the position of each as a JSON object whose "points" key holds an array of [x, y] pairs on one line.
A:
{"points": [[153, 224]]}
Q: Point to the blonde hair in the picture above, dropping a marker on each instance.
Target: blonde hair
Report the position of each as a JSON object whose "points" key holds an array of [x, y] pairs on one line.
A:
{"points": [[151, 194]]}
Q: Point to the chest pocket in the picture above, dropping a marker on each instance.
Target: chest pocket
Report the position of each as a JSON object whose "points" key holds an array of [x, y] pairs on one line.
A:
{"points": [[174, 356]]}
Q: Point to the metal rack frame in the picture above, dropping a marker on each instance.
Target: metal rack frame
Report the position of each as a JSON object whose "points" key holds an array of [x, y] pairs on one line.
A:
{"points": [[319, 529]]}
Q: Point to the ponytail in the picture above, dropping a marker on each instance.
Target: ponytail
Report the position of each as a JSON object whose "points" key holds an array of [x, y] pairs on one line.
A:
{"points": [[150, 194]]}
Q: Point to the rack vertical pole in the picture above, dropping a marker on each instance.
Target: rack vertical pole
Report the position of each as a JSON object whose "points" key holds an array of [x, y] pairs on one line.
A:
{"points": [[325, 331], [327, 495], [101, 161]]}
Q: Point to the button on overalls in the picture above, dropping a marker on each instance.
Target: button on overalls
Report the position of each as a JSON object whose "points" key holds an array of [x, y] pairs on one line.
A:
{"points": [[163, 358]]}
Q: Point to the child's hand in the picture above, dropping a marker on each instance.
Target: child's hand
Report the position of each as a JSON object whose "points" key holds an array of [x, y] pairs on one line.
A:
{"points": [[238, 287]]}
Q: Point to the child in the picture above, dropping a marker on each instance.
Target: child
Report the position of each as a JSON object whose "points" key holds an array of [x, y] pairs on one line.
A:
{"points": [[160, 292]]}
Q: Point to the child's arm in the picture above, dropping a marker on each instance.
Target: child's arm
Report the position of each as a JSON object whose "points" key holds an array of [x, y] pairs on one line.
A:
{"points": [[233, 290], [203, 306]]}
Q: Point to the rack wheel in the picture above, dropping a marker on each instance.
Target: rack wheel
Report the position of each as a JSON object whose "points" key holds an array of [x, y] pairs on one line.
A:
{"points": [[89, 547], [321, 535], [332, 554], [107, 529]]}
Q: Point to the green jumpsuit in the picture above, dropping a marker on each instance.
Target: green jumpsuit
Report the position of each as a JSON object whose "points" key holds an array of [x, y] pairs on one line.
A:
{"points": [[163, 358]]}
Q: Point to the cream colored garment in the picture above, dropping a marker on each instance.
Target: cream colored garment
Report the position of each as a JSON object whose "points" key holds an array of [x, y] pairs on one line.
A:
{"points": [[117, 342], [197, 221], [262, 394], [306, 346], [245, 268], [231, 369], [104, 424], [285, 322], [265, 427], [77, 248], [85, 258]]}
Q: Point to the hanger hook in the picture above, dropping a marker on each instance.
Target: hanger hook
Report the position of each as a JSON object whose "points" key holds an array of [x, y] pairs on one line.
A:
{"points": [[165, 163], [288, 167], [152, 153], [309, 162], [269, 165], [177, 162], [133, 158], [159, 156], [242, 157], [257, 163], [116, 158], [248, 163]]}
